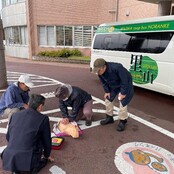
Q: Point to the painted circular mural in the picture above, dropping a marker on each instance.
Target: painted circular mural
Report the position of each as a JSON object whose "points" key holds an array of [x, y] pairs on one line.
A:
{"points": [[141, 158]]}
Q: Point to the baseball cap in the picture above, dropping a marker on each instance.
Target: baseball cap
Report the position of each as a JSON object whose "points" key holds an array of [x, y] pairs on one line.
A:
{"points": [[61, 92], [26, 80], [98, 63]]}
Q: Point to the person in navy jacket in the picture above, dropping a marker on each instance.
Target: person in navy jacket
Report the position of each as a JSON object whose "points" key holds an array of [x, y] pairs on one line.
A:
{"points": [[116, 81], [79, 100], [15, 97], [29, 139]]}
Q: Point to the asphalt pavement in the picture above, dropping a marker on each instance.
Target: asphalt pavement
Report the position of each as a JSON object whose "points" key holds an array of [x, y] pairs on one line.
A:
{"points": [[145, 147]]}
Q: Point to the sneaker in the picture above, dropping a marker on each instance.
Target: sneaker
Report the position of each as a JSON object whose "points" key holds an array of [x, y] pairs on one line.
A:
{"points": [[121, 125], [88, 123], [108, 120]]}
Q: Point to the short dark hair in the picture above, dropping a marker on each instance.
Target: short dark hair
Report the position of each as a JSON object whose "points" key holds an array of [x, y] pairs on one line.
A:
{"points": [[36, 100]]}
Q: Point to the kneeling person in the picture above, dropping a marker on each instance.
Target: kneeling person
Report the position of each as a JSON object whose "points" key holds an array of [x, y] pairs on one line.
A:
{"points": [[78, 99], [29, 139]]}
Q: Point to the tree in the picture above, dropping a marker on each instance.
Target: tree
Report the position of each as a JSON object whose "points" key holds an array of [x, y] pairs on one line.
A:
{"points": [[3, 76]]}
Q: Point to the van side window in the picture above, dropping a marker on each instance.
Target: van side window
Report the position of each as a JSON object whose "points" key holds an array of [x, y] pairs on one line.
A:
{"points": [[165, 38], [133, 42]]}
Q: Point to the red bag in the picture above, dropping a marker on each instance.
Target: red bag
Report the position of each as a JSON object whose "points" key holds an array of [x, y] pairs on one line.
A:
{"points": [[57, 142]]}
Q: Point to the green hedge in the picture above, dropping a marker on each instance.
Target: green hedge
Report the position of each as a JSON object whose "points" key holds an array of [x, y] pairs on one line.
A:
{"points": [[60, 53]]}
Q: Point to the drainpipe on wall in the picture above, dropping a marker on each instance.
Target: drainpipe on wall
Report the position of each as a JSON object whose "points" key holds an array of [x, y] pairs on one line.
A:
{"points": [[3, 76], [117, 7], [30, 27]]}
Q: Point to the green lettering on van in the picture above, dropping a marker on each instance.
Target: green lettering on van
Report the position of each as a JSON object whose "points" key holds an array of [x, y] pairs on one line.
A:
{"points": [[149, 26], [143, 69]]}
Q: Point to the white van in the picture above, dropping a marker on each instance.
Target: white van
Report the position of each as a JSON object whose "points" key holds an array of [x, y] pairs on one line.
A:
{"points": [[145, 47]]}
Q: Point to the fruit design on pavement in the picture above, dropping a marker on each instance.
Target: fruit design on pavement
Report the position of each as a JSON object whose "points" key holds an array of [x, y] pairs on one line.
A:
{"points": [[142, 158]]}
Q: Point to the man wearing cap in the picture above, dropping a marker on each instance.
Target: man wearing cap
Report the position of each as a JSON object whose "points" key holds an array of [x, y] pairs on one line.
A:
{"points": [[116, 81], [78, 99], [15, 97]]}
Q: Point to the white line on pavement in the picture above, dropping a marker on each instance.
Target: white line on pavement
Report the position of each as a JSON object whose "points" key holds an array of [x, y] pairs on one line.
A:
{"points": [[153, 126], [96, 100]]}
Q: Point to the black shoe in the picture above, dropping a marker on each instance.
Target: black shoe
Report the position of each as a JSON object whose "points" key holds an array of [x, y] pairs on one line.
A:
{"points": [[88, 123], [121, 125], [42, 164], [108, 120], [15, 172]]}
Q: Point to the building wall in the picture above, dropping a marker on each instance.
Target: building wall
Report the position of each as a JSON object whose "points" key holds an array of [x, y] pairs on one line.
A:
{"points": [[86, 12], [72, 12], [57, 12], [134, 9], [15, 15]]}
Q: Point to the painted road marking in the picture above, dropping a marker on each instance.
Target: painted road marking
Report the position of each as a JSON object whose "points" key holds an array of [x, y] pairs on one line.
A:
{"points": [[56, 170], [97, 100], [2, 148], [147, 123], [141, 157], [44, 81], [15, 76], [39, 81], [153, 126]]}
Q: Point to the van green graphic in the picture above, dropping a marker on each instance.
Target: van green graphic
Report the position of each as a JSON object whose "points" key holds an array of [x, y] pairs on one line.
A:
{"points": [[143, 69], [139, 27]]}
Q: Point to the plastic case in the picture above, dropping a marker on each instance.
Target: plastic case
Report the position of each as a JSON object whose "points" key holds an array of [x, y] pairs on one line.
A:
{"points": [[57, 142]]}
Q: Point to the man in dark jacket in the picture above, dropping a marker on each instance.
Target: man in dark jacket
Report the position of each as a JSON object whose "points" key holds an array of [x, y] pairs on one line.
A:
{"points": [[116, 80], [29, 139], [78, 99]]}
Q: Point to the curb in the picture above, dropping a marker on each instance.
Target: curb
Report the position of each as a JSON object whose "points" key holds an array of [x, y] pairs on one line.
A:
{"points": [[57, 59]]}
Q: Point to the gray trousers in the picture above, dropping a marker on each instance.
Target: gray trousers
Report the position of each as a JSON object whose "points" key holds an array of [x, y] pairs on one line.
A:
{"points": [[85, 112], [8, 112], [122, 114]]}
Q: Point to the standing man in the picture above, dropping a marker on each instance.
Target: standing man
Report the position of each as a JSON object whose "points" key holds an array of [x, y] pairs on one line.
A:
{"points": [[78, 99], [15, 97], [116, 80], [29, 138]]}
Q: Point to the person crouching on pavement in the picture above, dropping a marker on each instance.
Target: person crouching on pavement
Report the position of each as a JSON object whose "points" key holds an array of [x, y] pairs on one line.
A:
{"points": [[29, 139], [80, 101], [16, 97], [116, 80]]}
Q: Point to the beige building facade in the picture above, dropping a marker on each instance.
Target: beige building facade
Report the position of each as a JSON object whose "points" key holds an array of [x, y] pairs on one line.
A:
{"points": [[32, 26]]}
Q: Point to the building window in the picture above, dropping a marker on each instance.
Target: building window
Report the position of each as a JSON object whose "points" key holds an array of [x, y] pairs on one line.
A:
{"points": [[16, 35], [42, 35], [9, 2], [50, 36], [23, 36], [64, 36], [76, 36], [68, 36], [87, 36], [60, 35], [13, 1]]}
